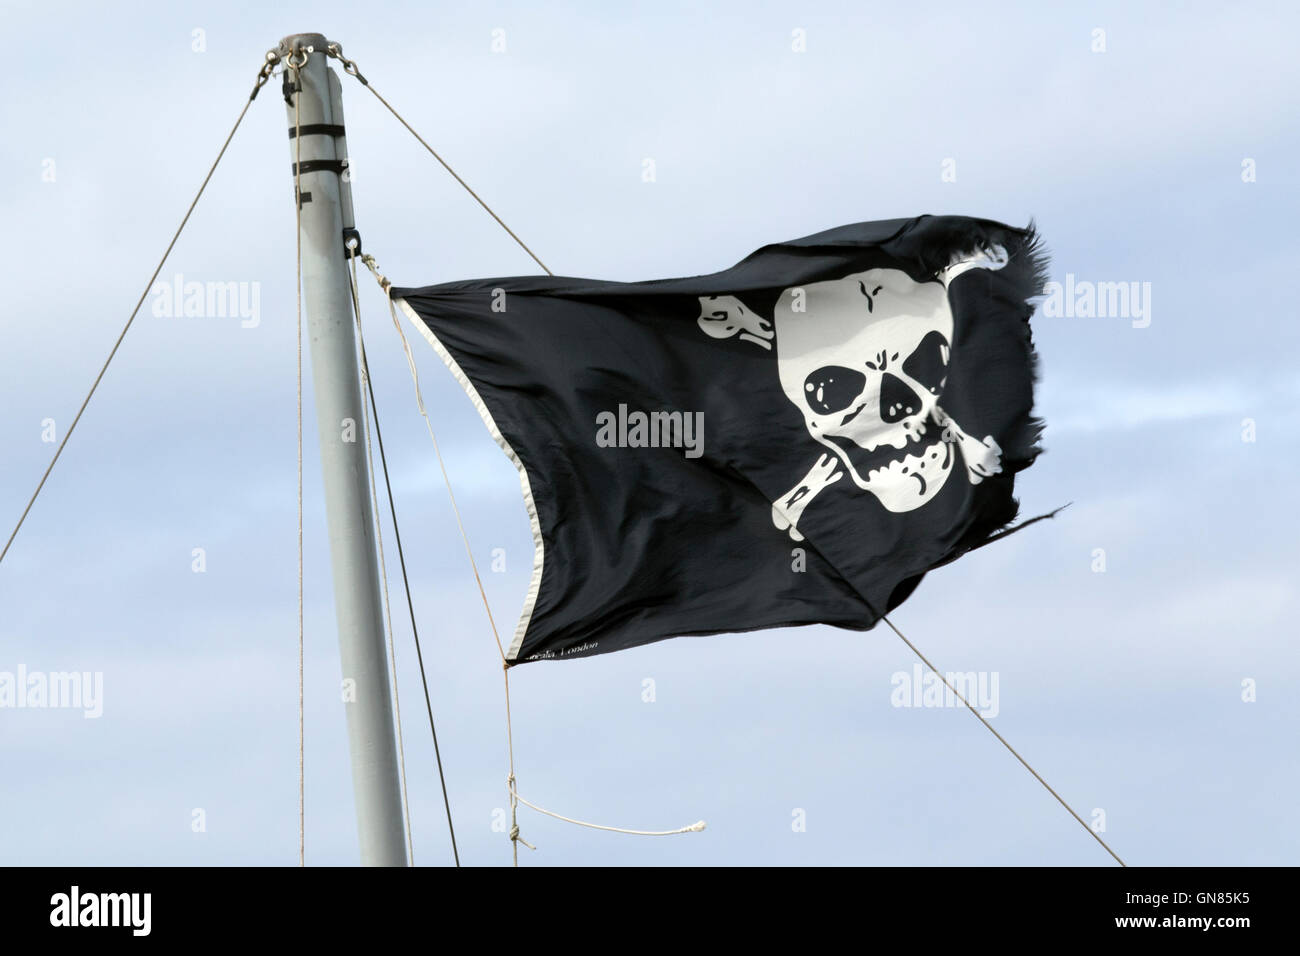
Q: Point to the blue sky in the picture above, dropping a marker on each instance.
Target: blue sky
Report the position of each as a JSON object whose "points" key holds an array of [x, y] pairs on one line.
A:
{"points": [[1123, 688]]}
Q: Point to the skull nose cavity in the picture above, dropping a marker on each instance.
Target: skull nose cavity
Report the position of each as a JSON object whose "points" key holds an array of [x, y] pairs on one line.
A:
{"points": [[832, 388], [897, 399]]}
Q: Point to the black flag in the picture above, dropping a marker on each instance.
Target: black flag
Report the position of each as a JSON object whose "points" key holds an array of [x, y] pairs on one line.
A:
{"points": [[794, 440]]}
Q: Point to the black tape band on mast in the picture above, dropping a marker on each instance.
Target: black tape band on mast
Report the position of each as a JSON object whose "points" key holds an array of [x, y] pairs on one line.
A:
{"points": [[318, 129]]}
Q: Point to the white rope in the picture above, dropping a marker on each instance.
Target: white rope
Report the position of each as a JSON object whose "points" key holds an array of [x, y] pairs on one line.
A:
{"points": [[297, 202], [383, 567], [693, 828], [515, 838]]}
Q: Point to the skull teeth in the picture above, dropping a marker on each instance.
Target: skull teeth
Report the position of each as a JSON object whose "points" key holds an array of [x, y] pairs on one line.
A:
{"points": [[931, 461]]}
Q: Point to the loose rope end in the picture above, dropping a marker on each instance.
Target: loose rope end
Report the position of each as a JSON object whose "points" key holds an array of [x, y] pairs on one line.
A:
{"points": [[515, 798]]}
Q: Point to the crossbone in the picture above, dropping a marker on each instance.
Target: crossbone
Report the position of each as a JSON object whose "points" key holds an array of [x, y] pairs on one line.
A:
{"points": [[722, 316]]}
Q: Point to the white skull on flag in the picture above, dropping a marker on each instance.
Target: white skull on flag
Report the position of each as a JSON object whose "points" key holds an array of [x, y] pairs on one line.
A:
{"points": [[865, 359]]}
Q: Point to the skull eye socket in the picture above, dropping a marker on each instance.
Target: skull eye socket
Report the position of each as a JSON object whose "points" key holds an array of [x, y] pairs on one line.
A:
{"points": [[928, 364], [832, 388], [897, 400]]}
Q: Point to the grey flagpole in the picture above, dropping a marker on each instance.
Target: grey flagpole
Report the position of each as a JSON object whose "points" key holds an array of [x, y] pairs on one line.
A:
{"points": [[326, 212]]}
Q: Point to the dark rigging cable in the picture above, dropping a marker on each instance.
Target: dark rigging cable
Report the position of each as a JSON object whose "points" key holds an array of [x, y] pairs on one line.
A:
{"points": [[980, 717], [397, 534], [262, 76], [350, 68]]}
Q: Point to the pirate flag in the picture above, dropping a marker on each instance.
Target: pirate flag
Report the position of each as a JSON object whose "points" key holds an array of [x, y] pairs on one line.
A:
{"points": [[797, 439]]}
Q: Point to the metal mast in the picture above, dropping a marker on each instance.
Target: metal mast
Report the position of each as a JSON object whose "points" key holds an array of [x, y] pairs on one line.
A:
{"points": [[326, 204]]}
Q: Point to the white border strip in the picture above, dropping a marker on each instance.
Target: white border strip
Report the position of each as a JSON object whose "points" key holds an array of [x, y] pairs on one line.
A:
{"points": [[535, 585]]}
